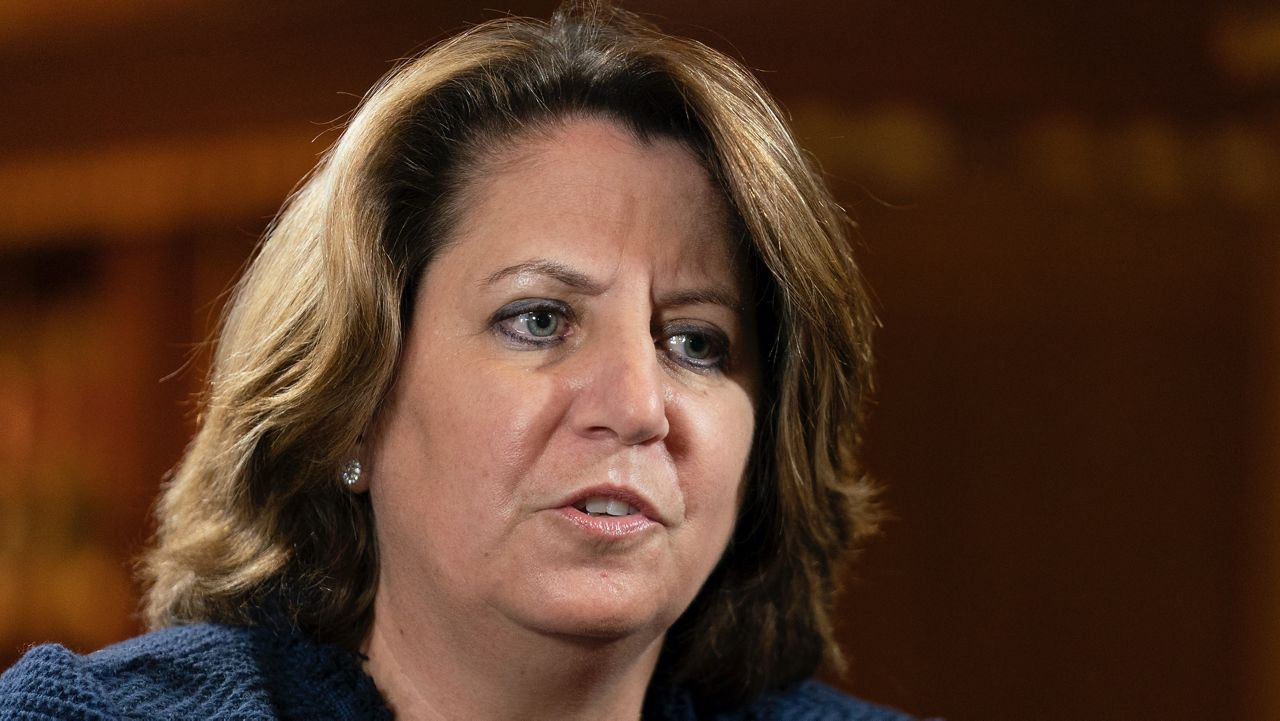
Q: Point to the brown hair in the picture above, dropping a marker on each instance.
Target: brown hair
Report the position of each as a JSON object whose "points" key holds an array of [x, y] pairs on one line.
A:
{"points": [[255, 516]]}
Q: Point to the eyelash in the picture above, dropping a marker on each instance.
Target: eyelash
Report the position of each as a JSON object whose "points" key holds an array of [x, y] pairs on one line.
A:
{"points": [[506, 315], [503, 322]]}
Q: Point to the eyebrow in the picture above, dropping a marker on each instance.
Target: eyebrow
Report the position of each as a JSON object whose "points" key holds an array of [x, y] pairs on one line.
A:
{"points": [[551, 269], [579, 281], [711, 295]]}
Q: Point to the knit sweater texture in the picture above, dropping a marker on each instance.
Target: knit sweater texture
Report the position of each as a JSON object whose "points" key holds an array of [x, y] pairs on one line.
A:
{"points": [[211, 671]]}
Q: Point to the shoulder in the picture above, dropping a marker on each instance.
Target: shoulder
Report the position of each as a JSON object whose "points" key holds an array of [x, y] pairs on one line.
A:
{"points": [[195, 671], [813, 701], [187, 671]]}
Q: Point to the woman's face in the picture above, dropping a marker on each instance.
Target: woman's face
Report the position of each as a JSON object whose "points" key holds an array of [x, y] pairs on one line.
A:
{"points": [[564, 446]]}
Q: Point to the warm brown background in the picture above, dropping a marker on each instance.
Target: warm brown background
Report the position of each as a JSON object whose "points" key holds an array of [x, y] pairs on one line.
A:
{"points": [[1071, 217]]}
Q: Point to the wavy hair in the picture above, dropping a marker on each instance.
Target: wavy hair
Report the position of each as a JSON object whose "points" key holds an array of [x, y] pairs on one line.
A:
{"points": [[255, 517]]}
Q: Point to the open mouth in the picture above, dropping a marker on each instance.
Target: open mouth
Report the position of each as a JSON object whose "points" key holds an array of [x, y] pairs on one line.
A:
{"points": [[602, 506]]}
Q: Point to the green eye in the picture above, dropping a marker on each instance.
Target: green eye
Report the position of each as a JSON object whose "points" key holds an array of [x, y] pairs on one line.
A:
{"points": [[540, 324], [699, 349], [533, 323], [696, 346]]}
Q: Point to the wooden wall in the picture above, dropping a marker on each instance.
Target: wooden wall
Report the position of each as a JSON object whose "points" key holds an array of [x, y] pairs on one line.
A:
{"points": [[1068, 212]]}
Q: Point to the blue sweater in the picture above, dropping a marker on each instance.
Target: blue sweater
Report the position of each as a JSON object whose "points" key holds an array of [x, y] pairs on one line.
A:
{"points": [[209, 671]]}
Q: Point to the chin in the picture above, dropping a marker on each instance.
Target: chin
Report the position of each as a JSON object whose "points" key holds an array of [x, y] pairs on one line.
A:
{"points": [[599, 606]]}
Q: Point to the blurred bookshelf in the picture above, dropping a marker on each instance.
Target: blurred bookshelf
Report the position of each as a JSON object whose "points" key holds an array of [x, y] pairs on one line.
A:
{"points": [[98, 359]]}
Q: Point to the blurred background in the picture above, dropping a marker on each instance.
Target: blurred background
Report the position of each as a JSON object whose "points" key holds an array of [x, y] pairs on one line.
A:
{"points": [[1069, 211]]}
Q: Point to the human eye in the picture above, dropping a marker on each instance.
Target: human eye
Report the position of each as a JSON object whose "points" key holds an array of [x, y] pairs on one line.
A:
{"points": [[533, 322], [697, 347]]}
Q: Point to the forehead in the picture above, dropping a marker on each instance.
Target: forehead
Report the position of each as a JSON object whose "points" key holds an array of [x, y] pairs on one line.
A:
{"points": [[590, 188]]}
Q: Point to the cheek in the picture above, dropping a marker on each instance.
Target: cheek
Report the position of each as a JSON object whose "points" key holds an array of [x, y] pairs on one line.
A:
{"points": [[465, 439], [448, 468], [497, 422], [719, 433]]}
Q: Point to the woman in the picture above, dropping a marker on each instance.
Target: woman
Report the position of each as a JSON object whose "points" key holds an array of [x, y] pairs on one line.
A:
{"points": [[539, 401]]}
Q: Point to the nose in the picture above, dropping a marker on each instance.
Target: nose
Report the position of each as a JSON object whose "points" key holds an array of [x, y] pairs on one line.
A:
{"points": [[621, 390]]}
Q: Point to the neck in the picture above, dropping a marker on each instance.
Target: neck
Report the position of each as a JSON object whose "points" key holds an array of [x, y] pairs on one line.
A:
{"points": [[491, 670]]}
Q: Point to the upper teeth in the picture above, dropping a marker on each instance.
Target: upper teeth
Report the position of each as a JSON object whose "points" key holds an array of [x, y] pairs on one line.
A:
{"points": [[610, 506]]}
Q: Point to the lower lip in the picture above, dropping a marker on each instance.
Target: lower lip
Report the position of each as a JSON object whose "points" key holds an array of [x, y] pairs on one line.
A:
{"points": [[609, 526]]}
